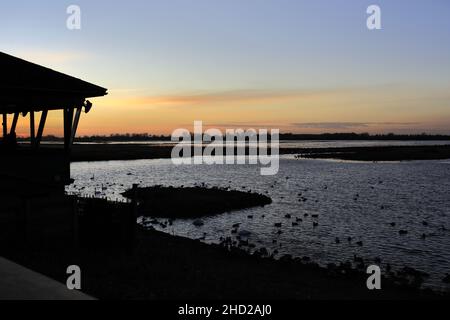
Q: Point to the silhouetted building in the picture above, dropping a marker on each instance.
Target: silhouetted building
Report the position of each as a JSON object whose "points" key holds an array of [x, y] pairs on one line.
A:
{"points": [[28, 90]]}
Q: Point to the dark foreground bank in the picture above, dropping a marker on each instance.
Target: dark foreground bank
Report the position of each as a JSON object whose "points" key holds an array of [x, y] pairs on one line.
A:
{"points": [[165, 267], [105, 152]]}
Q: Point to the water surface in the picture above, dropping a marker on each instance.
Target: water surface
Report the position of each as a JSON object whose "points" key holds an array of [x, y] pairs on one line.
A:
{"points": [[352, 199]]}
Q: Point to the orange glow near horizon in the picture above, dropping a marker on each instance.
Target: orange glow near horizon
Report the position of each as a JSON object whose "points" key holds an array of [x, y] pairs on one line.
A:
{"points": [[373, 110]]}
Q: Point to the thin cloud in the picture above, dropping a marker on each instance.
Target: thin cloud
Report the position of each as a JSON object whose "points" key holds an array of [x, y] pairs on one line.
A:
{"points": [[348, 125], [231, 96], [245, 125]]}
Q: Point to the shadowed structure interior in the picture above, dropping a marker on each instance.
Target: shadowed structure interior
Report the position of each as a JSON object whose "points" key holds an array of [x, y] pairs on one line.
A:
{"points": [[28, 90]]}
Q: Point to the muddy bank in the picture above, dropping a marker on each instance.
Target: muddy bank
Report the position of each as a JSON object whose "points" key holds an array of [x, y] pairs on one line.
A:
{"points": [[165, 267], [105, 152], [395, 153], [192, 202]]}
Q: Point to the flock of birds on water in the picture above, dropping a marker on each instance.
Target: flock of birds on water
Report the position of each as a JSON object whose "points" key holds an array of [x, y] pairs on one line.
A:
{"points": [[241, 238], [100, 190]]}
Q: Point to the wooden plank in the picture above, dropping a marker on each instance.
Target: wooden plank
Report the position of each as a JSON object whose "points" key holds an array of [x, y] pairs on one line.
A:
{"points": [[20, 283]]}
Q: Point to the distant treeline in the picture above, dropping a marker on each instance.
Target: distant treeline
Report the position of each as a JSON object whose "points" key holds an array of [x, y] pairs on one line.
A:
{"points": [[109, 138], [141, 137], [362, 136]]}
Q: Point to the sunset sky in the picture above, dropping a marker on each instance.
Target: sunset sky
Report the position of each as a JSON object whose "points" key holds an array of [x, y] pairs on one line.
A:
{"points": [[300, 66]]}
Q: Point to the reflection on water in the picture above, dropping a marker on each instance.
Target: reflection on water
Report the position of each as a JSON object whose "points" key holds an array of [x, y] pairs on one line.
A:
{"points": [[369, 202]]}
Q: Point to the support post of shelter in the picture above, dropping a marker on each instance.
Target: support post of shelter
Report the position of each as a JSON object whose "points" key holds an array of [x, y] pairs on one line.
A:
{"points": [[68, 120], [76, 120], [32, 129], [41, 128], [14, 123], [5, 125]]}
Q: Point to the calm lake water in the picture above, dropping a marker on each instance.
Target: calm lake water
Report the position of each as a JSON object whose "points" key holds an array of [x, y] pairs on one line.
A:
{"points": [[352, 199], [306, 143]]}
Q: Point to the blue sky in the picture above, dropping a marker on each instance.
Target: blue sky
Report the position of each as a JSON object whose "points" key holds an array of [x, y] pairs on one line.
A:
{"points": [[263, 62]]}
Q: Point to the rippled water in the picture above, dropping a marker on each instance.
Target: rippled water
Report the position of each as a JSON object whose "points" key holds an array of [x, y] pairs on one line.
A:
{"points": [[352, 199]]}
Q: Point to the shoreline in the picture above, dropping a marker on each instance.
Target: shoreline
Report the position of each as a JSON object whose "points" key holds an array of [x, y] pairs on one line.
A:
{"points": [[160, 266], [378, 154], [111, 152], [167, 267]]}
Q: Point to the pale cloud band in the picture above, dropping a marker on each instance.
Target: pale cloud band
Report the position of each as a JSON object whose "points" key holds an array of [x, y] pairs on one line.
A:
{"points": [[351, 125]]}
